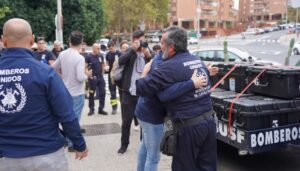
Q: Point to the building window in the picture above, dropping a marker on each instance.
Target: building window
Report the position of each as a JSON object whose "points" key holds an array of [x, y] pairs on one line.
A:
{"points": [[212, 24]]}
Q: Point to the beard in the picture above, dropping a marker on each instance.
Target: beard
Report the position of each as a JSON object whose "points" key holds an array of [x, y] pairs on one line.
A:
{"points": [[166, 54]]}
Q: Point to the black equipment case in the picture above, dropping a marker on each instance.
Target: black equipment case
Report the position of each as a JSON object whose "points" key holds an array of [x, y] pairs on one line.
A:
{"points": [[257, 112], [218, 98], [258, 124], [276, 82], [237, 80]]}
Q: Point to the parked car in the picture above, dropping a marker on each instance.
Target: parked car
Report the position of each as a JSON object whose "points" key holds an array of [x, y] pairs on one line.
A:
{"points": [[192, 40], [250, 31], [296, 48], [253, 31], [268, 29], [153, 39], [216, 55]]}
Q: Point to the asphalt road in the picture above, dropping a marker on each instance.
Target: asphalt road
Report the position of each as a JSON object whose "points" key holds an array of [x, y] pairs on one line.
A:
{"points": [[267, 46], [287, 159]]}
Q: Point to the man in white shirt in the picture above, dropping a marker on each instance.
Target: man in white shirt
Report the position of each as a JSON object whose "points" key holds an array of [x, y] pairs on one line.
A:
{"points": [[73, 72]]}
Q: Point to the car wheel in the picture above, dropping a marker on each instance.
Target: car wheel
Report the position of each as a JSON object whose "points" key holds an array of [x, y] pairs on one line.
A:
{"points": [[296, 51]]}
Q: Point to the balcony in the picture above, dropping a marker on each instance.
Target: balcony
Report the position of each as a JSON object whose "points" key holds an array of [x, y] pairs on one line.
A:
{"points": [[210, 17], [208, 6]]}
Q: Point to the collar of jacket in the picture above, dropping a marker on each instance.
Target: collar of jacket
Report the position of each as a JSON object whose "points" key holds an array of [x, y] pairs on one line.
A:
{"points": [[17, 52]]}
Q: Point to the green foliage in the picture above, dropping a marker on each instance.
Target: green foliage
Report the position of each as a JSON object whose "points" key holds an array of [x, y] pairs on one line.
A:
{"points": [[127, 14], [287, 59], [4, 11], [226, 58], [83, 15]]}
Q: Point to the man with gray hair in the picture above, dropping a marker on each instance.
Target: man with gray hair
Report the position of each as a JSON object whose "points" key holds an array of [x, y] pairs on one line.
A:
{"points": [[191, 113], [56, 48]]}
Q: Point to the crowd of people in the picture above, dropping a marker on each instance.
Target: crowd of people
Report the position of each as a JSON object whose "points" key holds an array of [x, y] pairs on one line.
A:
{"points": [[50, 90]]}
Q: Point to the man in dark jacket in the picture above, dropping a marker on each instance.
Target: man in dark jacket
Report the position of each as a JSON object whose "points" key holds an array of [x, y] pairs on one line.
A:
{"points": [[191, 112], [33, 102], [134, 62]]}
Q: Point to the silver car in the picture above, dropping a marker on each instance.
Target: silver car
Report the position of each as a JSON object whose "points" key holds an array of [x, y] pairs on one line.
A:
{"points": [[216, 55]]}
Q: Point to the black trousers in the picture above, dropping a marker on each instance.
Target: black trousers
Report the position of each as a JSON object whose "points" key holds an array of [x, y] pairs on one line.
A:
{"points": [[196, 147], [113, 93], [128, 103], [94, 85]]}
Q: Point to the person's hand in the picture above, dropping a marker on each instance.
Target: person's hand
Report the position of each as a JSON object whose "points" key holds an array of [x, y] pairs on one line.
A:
{"points": [[146, 69], [136, 45], [89, 74], [146, 53], [81, 155], [212, 70], [199, 81]]}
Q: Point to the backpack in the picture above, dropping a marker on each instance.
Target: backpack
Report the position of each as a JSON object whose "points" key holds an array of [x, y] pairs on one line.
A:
{"points": [[116, 73]]}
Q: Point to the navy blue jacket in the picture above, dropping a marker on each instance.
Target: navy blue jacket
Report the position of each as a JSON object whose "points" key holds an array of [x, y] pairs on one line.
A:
{"points": [[150, 108], [33, 101], [178, 69]]}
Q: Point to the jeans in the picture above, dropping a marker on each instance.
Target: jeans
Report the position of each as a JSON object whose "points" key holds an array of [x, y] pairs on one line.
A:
{"points": [[149, 150], [78, 102], [55, 161]]}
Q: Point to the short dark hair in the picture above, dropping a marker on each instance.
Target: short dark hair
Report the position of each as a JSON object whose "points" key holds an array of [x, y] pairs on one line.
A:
{"points": [[177, 36], [76, 38], [156, 47], [137, 34], [111, 44]]}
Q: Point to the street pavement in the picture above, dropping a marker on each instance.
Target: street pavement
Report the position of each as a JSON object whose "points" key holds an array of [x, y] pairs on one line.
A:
{"points": [[103, 140], [103, 132], [268, 46]]}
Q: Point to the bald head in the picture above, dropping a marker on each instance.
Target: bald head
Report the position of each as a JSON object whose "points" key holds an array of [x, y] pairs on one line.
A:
{"points": [[17, 33], [96, 48]]}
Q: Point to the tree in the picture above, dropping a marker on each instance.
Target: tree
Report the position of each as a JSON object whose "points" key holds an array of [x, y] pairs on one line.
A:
{"points": [[4, 11], [82, 15], [122, 15]]}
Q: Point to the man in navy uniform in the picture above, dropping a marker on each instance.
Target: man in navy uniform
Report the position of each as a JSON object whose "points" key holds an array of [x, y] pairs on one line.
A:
{"points": [[42, 54], [33, 102], [192, 112], [111, 56], [95, 62]]}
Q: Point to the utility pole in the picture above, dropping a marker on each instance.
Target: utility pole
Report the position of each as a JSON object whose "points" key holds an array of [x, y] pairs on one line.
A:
{"points": [[59, 22], [198, 21], [297, 16], [286, 5]]}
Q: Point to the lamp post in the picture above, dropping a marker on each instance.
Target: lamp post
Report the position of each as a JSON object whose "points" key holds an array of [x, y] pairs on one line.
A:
{"points": [[59, 22], [286, 5], [198, 21]]}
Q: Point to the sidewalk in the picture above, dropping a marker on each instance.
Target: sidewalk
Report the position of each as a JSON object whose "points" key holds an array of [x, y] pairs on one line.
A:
{"points": [[103, 140]]}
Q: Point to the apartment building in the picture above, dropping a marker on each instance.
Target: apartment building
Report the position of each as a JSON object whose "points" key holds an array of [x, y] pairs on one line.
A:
{"points": [[224, 16], [255, 12], [214, 15]]}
